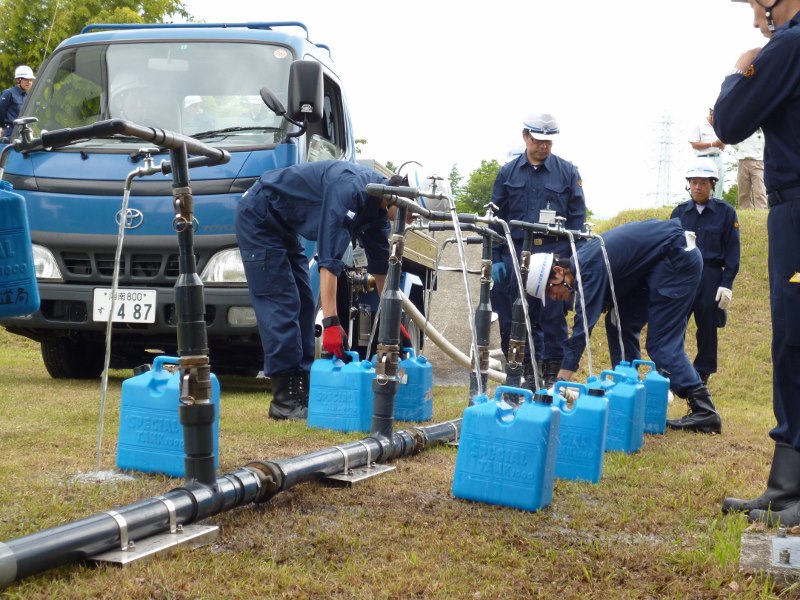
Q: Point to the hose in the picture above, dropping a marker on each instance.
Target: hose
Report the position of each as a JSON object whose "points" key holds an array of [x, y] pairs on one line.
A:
{"points": [[443, 344]]}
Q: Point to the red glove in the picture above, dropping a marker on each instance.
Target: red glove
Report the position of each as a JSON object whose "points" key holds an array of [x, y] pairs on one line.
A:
{"points": [[405, 337], [334, 339]]}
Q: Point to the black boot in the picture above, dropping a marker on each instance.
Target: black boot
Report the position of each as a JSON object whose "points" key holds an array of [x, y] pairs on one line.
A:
{"points": [[289, 395], [550, 369], [783, 484], [788, 517], [529, 381], [702, 416]]}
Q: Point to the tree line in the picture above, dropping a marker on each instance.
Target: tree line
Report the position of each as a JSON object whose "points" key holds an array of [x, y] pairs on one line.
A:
{"points": [[32, 29]]}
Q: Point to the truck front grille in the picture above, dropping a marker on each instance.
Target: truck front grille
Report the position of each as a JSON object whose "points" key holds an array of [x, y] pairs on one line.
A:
{"points": [[99, 266]]}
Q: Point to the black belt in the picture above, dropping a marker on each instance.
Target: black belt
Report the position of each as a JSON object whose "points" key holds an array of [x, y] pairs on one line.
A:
{"points": [[710, 155], [781, 196]]}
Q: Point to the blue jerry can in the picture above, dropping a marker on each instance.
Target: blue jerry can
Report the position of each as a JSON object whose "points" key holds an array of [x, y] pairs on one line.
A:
{"points": [[414, 398], [340, 395], [19, 291], [507, 455], [626, 398], [582, 432], [656, 393], [150, 431]]}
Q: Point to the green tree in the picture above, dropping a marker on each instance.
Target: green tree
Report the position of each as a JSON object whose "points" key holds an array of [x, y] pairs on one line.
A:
{"points": [[478, 191], [732, 196], [455, 181], [390, 165], [31, 30]]}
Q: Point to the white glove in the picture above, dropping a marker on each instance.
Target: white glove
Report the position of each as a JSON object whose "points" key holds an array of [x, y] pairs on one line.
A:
{"points": [[724, 297], [571, 394]]}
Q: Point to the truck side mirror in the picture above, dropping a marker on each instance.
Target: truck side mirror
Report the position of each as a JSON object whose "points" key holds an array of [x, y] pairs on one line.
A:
{"points": [[305, 91]]}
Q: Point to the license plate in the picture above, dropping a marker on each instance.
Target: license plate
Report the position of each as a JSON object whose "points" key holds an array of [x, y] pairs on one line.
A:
{"points": [[130, 306]]}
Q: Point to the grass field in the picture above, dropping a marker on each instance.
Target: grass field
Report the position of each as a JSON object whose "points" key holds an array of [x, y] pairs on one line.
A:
{"points": [[651, 528]]}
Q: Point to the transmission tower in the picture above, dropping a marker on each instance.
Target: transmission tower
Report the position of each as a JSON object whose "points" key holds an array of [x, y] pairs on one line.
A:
{"points": [[663, 195]]}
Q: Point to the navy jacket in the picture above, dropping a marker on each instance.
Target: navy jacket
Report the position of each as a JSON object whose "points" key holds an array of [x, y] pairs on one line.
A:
{"points": [[326, 201], [633, 249], [521, 192], [10, 104], [717, 230], [767, 96]]}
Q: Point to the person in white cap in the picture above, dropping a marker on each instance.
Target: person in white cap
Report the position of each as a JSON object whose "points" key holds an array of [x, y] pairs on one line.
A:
{"points": [[11, 99], [656, 271], [716, 227], [536, 187]]}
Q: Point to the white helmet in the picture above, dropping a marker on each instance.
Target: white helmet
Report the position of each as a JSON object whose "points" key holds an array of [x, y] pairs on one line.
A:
{"points": [[23, 72], [541, 126], [189, 100], [538, 274], [702, 167]]}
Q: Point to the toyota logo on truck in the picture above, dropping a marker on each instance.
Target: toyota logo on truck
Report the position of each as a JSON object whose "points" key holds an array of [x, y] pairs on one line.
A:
{"points": [[133, 218]]}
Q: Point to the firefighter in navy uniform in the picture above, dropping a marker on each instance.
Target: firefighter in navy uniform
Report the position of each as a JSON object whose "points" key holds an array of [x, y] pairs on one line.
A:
{"points": [[716, 227], [764, 91], [655, 256], [535, 187], [325, 202], [11, 100]]}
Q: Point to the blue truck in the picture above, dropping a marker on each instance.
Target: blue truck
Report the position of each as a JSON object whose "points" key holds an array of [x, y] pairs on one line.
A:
{"points": [[233, 86]]}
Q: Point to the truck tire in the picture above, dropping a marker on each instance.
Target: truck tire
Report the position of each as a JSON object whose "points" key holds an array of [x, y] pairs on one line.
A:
{"points": [[65, 358]]}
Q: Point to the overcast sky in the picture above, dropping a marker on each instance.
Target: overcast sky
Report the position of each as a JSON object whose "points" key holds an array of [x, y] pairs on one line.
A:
{"points": [[449, 83]]}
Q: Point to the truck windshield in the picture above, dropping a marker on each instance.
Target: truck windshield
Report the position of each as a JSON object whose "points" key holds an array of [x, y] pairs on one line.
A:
{"points": [[205, 89]]}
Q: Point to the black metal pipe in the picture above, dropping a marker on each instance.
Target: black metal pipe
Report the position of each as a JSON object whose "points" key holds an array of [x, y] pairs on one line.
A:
{"points": [[82, 539], [384, 386], [256, 482], [482, 231], [515, 358], [552, 230], [483, 320], [161, 137], [196, 411]]}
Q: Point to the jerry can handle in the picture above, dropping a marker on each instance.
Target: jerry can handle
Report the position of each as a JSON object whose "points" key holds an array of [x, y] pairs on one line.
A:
{"points": [[614, 375], [571, 384], [354, 357], [158, 361], [410, 351], [648, 363], [501, 389]]}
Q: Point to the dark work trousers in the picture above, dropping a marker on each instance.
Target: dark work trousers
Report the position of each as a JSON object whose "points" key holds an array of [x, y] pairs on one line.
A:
{"points": [[548, 322], [277, 276], [783, 226], [664, 304], [708, 317]]}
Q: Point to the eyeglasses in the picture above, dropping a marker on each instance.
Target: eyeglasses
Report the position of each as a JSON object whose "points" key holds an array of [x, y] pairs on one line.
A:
{"points": [[560, 283], [539, 142]]}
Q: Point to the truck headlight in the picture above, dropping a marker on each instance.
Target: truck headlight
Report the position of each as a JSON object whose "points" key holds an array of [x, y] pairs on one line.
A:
{"points": [[225, 267], [45, 265]]}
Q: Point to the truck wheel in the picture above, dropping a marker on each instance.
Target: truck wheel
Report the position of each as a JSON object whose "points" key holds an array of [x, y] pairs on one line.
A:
{"points": [[415, 333], [69, 359]]}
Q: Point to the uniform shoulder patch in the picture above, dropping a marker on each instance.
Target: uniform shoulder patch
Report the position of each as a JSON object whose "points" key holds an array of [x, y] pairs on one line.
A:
{"points": [[580, 183], [736, 224], [749, 71]]}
